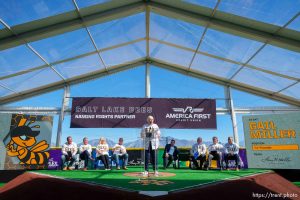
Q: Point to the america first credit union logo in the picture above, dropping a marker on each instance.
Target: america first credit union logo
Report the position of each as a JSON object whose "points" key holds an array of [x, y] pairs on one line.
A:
{"points": [[188, 114], [188, 109]]}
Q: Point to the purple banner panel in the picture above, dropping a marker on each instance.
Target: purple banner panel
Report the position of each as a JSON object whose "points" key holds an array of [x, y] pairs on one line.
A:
{"points": [[243, 160], [101, 112], [134, 159], [54, 161]]}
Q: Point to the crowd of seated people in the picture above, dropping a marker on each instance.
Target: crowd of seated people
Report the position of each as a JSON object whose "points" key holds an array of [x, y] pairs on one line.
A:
{"points": [[70, 152], [215, 151], [199, 152]]}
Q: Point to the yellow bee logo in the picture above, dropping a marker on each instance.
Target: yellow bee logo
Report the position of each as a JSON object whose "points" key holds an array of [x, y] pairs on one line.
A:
{"points": [[23, 145]]}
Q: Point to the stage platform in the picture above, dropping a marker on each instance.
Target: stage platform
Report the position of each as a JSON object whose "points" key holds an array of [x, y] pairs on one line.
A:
{"points": [[127, 184], [131, 179]]}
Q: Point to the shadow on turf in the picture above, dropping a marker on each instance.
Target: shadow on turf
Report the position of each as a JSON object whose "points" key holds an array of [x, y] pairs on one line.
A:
{"points": [[8, 175]]}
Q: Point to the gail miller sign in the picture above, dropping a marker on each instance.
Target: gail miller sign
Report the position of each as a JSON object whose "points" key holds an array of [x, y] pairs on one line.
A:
{"points": [[132, 112], [272, 141]]}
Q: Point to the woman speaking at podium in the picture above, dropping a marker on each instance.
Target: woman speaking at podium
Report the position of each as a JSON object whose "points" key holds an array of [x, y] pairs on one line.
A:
{"points": [[150, 134]]}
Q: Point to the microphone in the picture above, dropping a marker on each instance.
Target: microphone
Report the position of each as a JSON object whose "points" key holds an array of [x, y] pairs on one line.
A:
{"points": [[149, 131]]}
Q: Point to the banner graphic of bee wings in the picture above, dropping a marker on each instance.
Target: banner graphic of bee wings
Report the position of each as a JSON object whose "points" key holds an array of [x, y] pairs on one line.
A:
{"points": [[27, 141]]}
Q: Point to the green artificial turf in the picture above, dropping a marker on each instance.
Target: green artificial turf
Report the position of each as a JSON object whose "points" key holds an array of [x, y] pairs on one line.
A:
{"points": [[297, 183], [184, 178]]}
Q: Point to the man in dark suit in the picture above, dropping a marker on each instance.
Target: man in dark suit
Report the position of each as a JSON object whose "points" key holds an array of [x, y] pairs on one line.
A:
{"points": [[170, 153]]}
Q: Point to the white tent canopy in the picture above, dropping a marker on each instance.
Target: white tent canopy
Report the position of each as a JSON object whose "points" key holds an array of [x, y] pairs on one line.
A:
{"points": [[245, 45]]}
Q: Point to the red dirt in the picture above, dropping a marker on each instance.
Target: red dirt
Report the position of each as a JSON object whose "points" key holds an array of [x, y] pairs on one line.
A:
{"points": [[32, 186]]}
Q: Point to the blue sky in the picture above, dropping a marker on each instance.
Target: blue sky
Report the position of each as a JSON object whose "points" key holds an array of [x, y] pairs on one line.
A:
{"points": [[164, 84]]}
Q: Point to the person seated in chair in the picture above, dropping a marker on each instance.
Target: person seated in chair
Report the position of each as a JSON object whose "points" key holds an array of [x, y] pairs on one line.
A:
{"points": [[198, 152], [69, 150], [119, 152], [102, 153], [232, 153], [85, 151], [215, 152], [170, 154]]}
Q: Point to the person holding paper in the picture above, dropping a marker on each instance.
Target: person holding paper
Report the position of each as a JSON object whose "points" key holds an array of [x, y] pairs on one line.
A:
{"points": [[119, 152], [215, 152], [232, 153], [198, 152], [85, 151], [69, 150], [102, 153]]}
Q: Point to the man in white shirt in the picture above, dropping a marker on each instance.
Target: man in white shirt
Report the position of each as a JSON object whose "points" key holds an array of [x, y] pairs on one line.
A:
{"points": [[119, 152], [85, 151], [215, 152], [150, 133], [198, 152], [232, 153], [69, 150]]}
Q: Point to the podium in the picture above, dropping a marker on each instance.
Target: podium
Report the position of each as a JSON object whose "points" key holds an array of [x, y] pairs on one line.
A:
{"points": [[150, 153]]}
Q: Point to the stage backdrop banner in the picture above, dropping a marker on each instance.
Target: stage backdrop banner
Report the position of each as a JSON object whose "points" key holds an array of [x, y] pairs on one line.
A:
{"points": [[25, 141], [132, 112], [272, 141]]}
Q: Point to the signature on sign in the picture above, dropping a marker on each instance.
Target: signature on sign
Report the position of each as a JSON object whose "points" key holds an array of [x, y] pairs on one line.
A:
{"points": [[276, 159]]}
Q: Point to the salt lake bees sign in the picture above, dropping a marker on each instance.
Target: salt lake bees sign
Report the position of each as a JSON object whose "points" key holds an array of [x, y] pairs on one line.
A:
{"points": [[132, 112], [25, 140]]}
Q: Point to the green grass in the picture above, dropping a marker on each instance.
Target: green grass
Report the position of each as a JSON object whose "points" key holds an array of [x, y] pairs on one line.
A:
{"points": [[297, 183], [2, 184], [184, 178]]}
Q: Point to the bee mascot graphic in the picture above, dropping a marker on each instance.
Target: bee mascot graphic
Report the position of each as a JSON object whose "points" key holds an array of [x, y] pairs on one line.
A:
{"points": [[24, 146]]}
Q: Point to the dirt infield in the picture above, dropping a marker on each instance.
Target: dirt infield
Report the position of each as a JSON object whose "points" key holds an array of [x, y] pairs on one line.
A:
{"points": [[32, 186]]}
